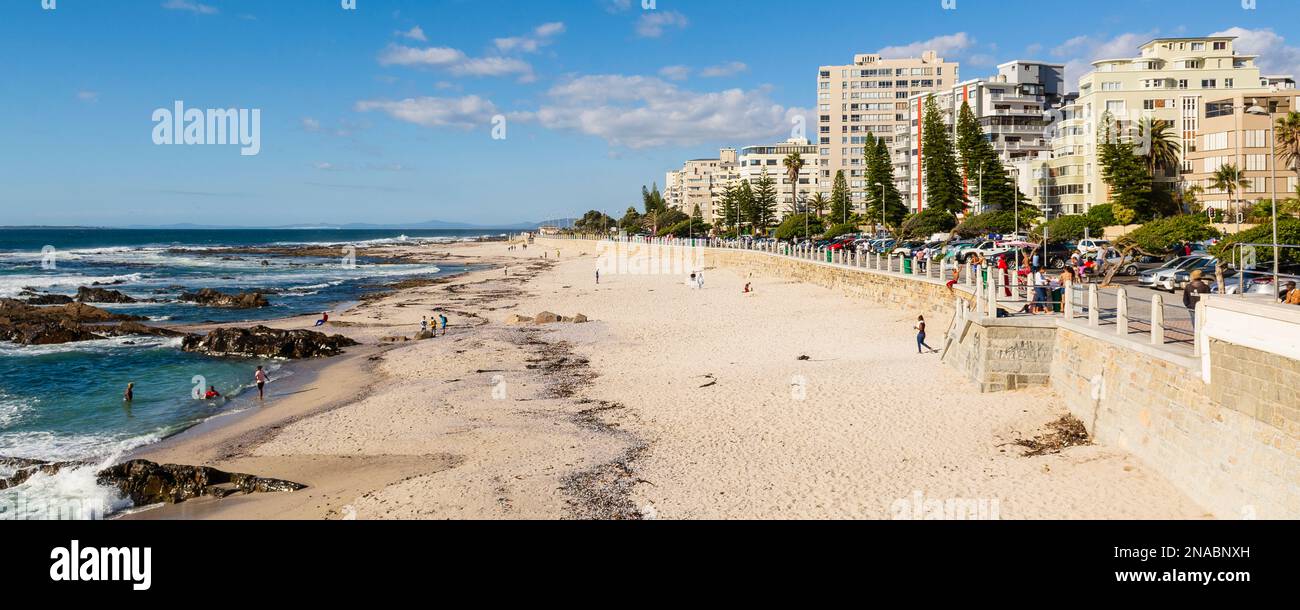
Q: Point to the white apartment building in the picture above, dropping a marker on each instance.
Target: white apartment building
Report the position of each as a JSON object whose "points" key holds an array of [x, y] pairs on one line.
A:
{"points": [[869, 96], [1172, 80], [1013, 108], [755, 159]]}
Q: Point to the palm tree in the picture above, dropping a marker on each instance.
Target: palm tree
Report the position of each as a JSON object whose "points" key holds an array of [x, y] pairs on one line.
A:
{"points": [[818, 204], [1288, 140], [1231, 179], [793, 166], [1163, 150]]}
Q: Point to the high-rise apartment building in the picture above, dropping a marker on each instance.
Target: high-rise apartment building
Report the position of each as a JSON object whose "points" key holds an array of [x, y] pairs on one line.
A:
{"points": [[1173, 80], [1013, 108], [869, 96]]}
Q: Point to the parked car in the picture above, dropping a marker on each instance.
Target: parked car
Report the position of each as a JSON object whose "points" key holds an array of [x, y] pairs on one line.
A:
{"points": [[907, 248], [1183, 277], [1135, 264], [1163, 277], [986, 248], [1092, 245]]}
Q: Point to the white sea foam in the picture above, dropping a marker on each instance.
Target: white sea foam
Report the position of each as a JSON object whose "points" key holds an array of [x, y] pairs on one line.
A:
{"points": [[96, 346], [12, 285], [12, 409]]}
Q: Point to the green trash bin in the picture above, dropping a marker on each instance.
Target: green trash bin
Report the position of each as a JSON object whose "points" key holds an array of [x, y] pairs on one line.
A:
{"points": [[907, 266], [829, 255]]}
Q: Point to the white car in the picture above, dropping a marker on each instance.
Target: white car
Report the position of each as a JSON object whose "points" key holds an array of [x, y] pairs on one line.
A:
{"points": [[1093, 245]]}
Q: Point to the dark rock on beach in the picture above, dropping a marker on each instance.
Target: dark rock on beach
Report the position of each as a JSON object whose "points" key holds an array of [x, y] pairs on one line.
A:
{"points": [[46, 299], [148, 483], [31, 325], [102, 295], [261, 341], [213, 298]]}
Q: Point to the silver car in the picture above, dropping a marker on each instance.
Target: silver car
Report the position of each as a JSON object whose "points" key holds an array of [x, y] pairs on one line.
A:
{"points": [[1163, 277]]}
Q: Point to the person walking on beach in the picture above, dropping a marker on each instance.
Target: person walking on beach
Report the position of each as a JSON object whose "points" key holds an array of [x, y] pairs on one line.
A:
{"points": [[1192, 293], [598, 277], [261, 379], [920, 336], [129, 395], [424, 324], [443, 319]]}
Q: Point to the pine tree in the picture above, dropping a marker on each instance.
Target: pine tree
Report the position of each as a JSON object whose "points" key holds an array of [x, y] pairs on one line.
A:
{"points": [[841, 204], [880, 171], [1125, 173], [981, 164], [745, 202], [763, 210], [943, 185], [730, 207]]}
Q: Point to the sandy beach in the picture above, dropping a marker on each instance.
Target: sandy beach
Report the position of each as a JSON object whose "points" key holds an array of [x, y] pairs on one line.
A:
{"points": [[793, 402]]}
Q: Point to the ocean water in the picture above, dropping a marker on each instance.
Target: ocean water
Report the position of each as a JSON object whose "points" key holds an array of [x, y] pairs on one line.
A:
{"points": [[64, 402]]}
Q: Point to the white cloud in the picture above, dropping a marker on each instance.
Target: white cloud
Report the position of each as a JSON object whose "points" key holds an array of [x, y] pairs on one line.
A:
{"points": [[89, 97], [327, 167], [1275, 56], [1079, 52], [189, 5], [464, 112], [948, 45], [644, 112], [541, 36], [415, 33], [617, 6], [652, 24], [456, 62], [727, 69], [310, 124], [675, 72]]}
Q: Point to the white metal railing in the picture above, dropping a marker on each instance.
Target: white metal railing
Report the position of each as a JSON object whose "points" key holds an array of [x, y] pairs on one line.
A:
{"points": [[996, 292]]}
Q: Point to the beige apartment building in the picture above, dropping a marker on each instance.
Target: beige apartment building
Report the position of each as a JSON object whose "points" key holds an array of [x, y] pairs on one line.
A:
{"points": [[700, 183], [1173, 79], [1231, 134], [1013, 107], [869, 96]]}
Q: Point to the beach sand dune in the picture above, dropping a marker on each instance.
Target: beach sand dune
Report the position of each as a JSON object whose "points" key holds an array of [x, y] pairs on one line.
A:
{"points": [[671, 403]]}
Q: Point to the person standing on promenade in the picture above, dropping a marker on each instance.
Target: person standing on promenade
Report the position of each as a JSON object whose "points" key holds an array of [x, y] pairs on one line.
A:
{"points": [[920, 336], [1003, 270], [261, 379], [1041, 302], [1192, 294]]}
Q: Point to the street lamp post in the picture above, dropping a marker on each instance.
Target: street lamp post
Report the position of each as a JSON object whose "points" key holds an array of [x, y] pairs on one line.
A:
{"points": [[1257, 110], [1015, 186], [882, 204], [980, 208]]}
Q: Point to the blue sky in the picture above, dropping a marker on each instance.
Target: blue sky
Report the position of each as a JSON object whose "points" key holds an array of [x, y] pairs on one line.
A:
{"points": [[384, 113]]}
